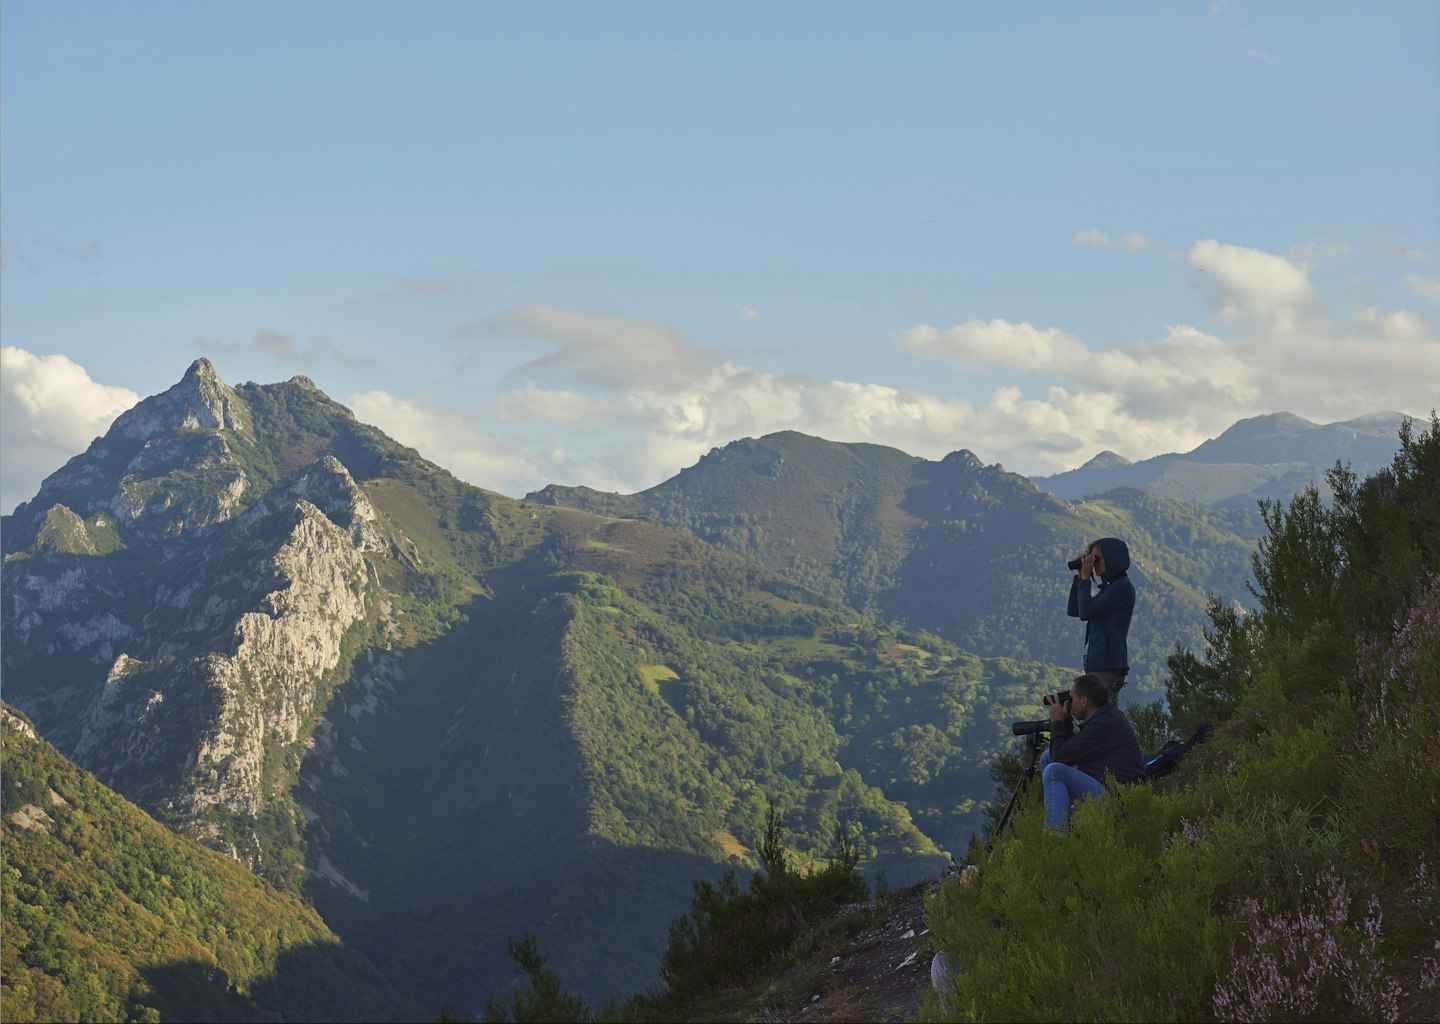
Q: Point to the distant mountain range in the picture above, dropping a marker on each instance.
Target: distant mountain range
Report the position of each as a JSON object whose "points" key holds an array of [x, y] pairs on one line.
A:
{"points": [[1270, 456], [448, 717]]}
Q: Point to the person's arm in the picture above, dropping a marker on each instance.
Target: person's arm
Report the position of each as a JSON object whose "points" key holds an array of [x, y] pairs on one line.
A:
{"points": [[1077, 748], [1073, 608], [1062, 727], [1103, 602]]}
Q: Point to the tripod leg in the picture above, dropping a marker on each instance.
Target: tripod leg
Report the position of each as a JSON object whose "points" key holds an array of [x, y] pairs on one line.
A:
{"points": [[1033, 744]]}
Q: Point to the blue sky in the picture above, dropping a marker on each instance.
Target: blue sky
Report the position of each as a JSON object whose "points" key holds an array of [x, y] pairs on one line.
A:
{"points": [[585, 243]]}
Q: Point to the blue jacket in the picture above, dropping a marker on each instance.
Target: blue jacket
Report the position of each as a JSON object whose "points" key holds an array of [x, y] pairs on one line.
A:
{"points": [[1106, 742], [1107, 611]]}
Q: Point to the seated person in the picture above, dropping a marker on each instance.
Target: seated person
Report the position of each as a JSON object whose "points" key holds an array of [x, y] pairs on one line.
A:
{"points": [[1075, 765]]}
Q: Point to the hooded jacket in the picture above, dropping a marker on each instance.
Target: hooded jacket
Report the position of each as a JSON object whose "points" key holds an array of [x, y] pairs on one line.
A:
{"points": [[1106, 612]]}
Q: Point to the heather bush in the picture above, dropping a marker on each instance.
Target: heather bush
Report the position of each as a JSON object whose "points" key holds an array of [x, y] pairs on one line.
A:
{"points": [[1320, 958], [1391, 781]]}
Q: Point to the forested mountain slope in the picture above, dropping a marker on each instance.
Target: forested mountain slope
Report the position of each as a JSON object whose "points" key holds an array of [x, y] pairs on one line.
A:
{"points": [[110, 916], [967, 551]]}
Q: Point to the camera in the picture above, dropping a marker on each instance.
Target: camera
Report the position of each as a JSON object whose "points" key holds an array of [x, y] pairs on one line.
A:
{"points": [[1030, 728], [1063, 697]]}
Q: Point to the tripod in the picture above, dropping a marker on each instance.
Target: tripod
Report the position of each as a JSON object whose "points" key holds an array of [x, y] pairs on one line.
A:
{"points": [[1035, 742]]}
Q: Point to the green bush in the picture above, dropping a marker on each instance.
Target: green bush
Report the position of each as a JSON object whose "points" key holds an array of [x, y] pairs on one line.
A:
{"points": [[1110, 921], [731, 932]]}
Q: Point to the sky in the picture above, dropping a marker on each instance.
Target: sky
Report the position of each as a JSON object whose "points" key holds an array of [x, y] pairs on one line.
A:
{"points": [[585, 243]]}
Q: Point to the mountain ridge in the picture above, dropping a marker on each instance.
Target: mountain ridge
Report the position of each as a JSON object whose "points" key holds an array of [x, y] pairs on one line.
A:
{"points": [[1268, 456], [903, 537]]}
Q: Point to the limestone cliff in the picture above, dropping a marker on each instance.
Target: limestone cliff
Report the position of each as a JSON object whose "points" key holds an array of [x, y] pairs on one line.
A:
{"points": [[198, 640]]}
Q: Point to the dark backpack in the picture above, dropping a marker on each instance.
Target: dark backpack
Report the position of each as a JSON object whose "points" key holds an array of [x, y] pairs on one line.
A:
{"points": [[1174, 751]]}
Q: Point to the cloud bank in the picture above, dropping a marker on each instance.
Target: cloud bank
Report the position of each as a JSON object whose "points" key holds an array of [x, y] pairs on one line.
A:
{"points": [[621, 404], [50, 410]]}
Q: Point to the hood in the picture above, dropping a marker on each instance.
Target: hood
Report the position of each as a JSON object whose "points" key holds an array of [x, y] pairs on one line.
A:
{"points": [[1117, 557]]}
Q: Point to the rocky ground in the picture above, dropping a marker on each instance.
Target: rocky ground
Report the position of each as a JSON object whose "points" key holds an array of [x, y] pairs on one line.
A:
{"points": [[880, 973]]}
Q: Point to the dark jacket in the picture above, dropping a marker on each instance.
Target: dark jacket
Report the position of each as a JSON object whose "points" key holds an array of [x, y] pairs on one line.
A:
{"points": [[1107, 611], [1106, 742]]}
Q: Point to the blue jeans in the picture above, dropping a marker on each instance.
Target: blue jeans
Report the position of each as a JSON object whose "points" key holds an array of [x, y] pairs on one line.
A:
{"points": [[1063, 785]]}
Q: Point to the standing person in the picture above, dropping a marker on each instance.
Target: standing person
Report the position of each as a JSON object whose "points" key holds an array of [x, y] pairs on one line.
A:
{"points": [[1106, 612], [1075, 766]]}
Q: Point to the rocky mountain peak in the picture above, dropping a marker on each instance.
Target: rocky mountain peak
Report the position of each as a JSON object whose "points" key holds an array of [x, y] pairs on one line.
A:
{"points": [[963, 458], [328, 486], [201, 400]]}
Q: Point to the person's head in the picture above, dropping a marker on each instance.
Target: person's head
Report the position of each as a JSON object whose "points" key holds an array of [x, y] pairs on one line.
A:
{"points": [[1087, 695], [1112, 556]]}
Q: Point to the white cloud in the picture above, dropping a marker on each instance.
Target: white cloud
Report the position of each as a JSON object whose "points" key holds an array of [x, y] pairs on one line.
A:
{"points": [[1381, 247], [1068, 401], [1170, 393], [1249, 49], [1401, 326], [451, 440], [50, 410], [622, 404], [1092, 236], [748, 312], [1250, 284], [565, 406], [1132, 241], [1226, 12], [1427, 288], [997, 343]]}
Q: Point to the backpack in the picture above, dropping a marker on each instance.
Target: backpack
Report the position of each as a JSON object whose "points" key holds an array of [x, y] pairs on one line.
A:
{"points": [[1174, 751]]}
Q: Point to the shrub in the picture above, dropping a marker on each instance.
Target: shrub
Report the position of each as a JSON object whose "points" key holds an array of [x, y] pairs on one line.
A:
{"points": [[1110, 921], [1391, 783], [1320, 957], [544, 998], [730, 932]]}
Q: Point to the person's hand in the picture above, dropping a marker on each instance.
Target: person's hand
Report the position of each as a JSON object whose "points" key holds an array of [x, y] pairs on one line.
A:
{"points": [[1087, 565], [1058, 711]]}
